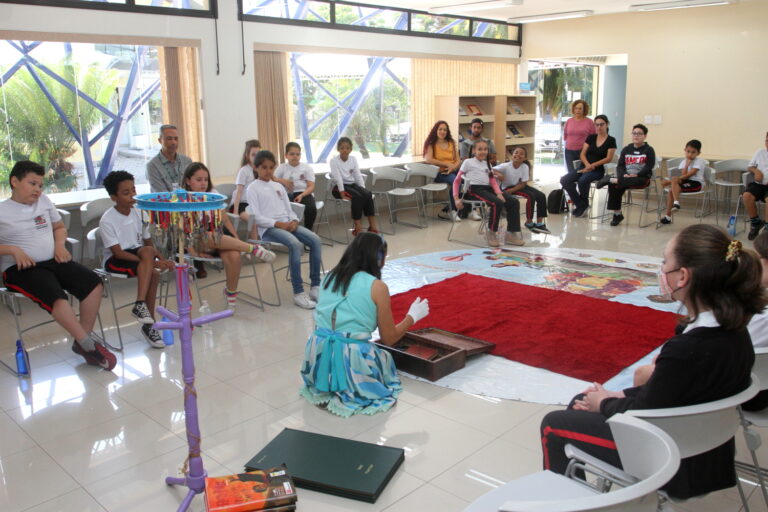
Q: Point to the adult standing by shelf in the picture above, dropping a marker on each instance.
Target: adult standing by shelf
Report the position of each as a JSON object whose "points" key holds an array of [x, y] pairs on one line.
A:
{"points": [[575, 133], [168, 166], [440, 150]]}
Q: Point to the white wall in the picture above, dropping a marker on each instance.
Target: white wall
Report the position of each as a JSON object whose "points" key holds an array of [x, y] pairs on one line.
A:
{"points": [[229, 116]]}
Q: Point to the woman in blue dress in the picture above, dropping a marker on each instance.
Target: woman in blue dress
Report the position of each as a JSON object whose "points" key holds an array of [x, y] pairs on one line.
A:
{"points": [[342, 369]]}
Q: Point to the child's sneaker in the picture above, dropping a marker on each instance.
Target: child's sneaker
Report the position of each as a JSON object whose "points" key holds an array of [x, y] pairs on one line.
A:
{"points": [[530, 225], [492, 238], [231, 298], [314, 293], [303, 301], [153, 337], [263, 254], [666, 220], [475, 215], [541, 227], [141, 312], [676, 205], [99, 356], [754, 229], [455, 216], [513, 238], [617, 218]]}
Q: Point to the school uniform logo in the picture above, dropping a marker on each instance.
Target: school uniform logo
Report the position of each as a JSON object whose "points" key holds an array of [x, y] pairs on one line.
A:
{"points": [[301, 177], [41, 222], [635, 159]]}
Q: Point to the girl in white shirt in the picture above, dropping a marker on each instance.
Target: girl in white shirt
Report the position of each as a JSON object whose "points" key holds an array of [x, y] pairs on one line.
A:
{"points": [[245, 176], [514, 178], [348, 184], [478, 173], [197, 178]]}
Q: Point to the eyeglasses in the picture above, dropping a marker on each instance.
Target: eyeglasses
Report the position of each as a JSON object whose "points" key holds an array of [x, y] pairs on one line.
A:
{"points": [[637, 134], [599, 124]]}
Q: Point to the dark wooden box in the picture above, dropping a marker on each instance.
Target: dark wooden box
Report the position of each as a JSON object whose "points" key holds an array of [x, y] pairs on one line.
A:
{"points": [[452, 352]]}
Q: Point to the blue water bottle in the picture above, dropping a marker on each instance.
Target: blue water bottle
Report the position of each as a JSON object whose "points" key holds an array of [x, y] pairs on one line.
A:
{"points": [[167, 335], [732, 225], [22, 359]]}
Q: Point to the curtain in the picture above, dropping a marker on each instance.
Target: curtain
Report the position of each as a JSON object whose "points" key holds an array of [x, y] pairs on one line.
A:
{"points": [[181, 97], [272, 100]]}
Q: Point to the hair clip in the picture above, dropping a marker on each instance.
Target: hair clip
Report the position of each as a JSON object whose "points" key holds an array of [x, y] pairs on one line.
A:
{"points": [[734, 249]]}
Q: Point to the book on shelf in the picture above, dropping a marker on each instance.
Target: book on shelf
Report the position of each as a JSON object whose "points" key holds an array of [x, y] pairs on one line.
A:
{"points": [[462, 112], [474, 110], [333, 465], [514, 109], [269, 490], [514, 131]]}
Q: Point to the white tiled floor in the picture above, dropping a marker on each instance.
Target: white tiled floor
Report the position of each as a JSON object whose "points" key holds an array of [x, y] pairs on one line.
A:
{"points": [[79, 439]]}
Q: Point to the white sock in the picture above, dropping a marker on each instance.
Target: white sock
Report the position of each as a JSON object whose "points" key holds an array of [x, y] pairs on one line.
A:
{"points": [[88, 343]]}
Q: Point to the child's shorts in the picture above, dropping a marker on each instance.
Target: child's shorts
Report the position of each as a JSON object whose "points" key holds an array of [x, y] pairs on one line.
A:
{"points": [[123, 267], [690, 186], [46, 281]]}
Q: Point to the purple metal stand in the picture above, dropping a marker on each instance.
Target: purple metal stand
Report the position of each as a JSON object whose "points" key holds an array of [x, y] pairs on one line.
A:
{"points": [[194, 478]]}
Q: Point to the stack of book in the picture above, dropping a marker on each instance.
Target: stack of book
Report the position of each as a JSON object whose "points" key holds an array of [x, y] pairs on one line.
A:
{"points": [[268, 490]]}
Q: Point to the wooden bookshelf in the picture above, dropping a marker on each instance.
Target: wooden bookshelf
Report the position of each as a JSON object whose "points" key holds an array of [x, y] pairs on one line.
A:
{"points": [[510, 121]]}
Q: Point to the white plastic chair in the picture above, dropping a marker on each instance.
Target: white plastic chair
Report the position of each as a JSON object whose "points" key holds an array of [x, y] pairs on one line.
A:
{"points": [[723, 169], [757, 419], [243, 296], [75, 248], [429, 188], [397, 177], [646, 201], [699, 428], [650, 459], [475, 204], [90, 215]]}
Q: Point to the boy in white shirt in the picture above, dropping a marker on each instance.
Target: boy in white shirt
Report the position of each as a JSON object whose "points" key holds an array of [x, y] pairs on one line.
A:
{"points": [[299, 180], [757, 190], [35, 263], [691, 178], [276, 222], [128, 250]]}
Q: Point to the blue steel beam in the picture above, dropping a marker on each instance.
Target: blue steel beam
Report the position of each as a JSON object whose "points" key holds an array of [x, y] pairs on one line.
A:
{"points": [[54, 103], [120, 120], [481, 29], [301, 10], [322, 87], [329, 112], [396, 79], [364, 19], [302, 113], [449, 26]]}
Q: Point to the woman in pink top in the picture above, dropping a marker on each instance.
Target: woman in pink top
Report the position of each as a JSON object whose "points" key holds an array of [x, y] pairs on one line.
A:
{"points": [[576, 130]]}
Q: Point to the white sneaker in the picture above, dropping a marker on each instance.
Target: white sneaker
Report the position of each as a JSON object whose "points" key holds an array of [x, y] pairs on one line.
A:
{"points": [[303, 301], [314, 293], [455, 216], [475, 215]]}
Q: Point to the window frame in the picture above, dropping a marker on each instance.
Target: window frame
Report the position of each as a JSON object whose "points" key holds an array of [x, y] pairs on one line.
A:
{"points": [[128, 6], [332, 24]]}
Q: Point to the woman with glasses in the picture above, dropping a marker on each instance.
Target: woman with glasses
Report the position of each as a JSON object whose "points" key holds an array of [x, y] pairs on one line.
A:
{"points": [[634, 170], [598, 150]]}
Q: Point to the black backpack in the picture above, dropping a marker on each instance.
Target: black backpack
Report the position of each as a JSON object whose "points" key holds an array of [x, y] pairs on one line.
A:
{"points": [[556, 201]]}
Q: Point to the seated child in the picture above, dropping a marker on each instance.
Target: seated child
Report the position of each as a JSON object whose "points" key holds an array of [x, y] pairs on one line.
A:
{"points": [[299, 180], [276, 222], [128, 250], [348, 183], [245, 176], [228, 247], [757, 190], [691, 178], [633, 170], [514, 176], [483, 186], [35, 262]]}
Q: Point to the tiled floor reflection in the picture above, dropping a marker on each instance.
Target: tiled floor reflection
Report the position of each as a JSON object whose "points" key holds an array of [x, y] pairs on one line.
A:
{"points": [[104, 441]]}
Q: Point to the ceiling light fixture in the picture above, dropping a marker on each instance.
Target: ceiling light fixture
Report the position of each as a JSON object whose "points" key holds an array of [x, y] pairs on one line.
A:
{"points": [[679, 4], [473, 6], [551, 17]]}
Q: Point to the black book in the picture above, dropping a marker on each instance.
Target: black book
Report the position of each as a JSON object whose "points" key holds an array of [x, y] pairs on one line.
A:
{"points": [[333, 465]]}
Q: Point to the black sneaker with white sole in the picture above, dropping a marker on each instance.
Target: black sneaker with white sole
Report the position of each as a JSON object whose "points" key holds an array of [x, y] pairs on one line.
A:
{"points": [[152, 336], [140, 311], [665, 220], [617, 218], [754, 229]]}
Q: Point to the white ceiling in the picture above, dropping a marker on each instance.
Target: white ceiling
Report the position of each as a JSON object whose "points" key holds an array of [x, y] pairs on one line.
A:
{"points": [[529, 7]]}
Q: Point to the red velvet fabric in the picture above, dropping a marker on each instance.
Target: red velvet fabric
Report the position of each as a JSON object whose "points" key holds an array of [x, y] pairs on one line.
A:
{"points": [[578, 336]]}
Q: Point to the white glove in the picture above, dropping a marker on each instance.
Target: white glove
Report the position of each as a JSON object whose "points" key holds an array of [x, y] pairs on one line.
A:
{"points": [[419, 309]]}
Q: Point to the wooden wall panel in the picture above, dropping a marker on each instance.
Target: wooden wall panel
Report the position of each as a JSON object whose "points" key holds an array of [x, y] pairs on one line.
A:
{"points": [[434, 77], [181, 97]]}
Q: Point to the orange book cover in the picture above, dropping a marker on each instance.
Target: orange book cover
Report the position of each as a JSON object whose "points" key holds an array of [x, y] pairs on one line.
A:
{"points": [[245, 492]]}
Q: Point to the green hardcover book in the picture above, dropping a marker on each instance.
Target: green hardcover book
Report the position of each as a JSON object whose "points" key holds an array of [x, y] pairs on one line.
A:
{"points": [[351, 469]]}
